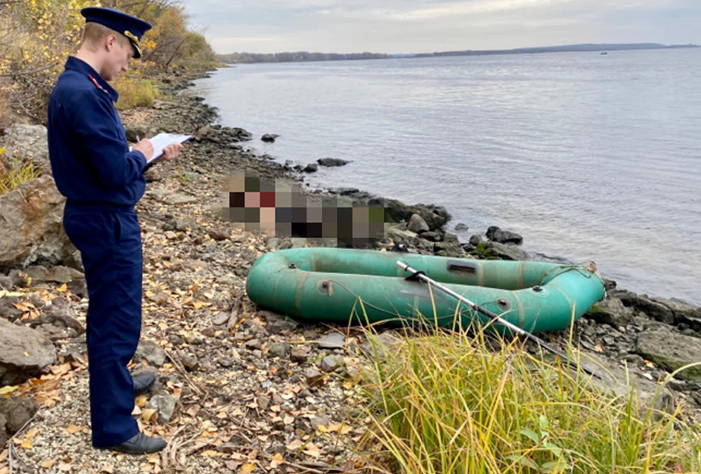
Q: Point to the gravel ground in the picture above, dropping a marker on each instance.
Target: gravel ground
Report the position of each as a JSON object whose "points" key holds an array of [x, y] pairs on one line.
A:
{"points": [[238, 389]]}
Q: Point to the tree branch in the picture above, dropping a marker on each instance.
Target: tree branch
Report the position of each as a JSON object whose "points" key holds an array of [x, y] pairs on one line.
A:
{"points": [[27, 73]]}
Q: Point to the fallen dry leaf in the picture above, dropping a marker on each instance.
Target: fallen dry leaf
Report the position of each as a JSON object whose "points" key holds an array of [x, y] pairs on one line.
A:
{"points": [[147, 413], [277, 461], [61, 369], [141, 401], [294, 445], [73, 429], [312, 451], [48, 464], [341, 428], [6, 390], [210, 453], [247, 468]]}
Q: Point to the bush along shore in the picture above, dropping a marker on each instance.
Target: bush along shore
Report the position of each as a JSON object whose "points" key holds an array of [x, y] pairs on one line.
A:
{"points": [[246, 390]]}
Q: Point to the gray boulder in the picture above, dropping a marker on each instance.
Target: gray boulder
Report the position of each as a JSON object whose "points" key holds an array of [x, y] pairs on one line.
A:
{"points": [[671, 351], [3, 433], [17, 412], [448, 249], [450, 238], [435, 216], [331, 162], [299, 354], [612, 312], [668, 311], [331, 363], [75, 350], [654, 309], [31, 227], [61, 315], [313, 376], [57, 274], [417, 224], [506, 252], [24, 353], [332, 340], [8, 310], [431, 236], [27, 143], [495, 234], [243, 135], [151, 353], [277, 349], [165, 404], [396, 211], [399, 235], [620, 383]]}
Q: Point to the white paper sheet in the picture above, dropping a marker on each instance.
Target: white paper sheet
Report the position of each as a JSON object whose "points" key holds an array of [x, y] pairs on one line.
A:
{"points": [[162, 140]]}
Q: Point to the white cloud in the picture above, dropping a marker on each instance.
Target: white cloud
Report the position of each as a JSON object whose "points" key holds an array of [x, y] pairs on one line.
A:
{"points": [[434, 25]]}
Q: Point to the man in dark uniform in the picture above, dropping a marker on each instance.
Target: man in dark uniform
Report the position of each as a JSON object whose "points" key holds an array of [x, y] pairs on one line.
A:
{"points": [[102, 179]]}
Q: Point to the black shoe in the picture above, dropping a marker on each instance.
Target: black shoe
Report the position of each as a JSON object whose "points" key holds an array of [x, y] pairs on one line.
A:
{"points": [[140, 444], [143, 383]]}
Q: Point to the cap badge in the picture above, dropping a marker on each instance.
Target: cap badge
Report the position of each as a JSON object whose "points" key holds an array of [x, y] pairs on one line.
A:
{"points": [[131, 36]]}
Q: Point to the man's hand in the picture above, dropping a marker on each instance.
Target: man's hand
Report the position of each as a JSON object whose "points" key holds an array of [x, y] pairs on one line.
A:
{"points": [[170, 152], [146, 147]]}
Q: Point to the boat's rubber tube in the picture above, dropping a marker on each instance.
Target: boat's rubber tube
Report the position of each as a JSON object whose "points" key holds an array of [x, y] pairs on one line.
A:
{"points": [[366, 286]]}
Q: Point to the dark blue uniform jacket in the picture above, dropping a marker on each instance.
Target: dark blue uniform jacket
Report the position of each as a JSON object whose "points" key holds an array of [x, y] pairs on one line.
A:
{"points": [[88, 148]]}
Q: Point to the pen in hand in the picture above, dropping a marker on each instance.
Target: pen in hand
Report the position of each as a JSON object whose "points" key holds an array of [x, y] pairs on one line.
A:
{"points": [[137, 141]]}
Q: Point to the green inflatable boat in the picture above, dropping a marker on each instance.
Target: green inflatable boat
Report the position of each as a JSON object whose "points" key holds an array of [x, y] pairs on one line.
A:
{"points": [[366, 286]]}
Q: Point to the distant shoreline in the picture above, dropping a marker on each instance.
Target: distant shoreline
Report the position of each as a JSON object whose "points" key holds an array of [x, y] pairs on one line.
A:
{"points": [[304, 56]]}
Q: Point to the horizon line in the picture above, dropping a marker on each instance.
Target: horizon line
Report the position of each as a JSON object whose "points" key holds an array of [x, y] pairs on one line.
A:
{"points": [[487, 51]]}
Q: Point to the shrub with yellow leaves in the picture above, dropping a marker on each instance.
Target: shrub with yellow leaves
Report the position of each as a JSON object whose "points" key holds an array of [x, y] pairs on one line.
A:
{"points": [[134, 92], [37, 37]]}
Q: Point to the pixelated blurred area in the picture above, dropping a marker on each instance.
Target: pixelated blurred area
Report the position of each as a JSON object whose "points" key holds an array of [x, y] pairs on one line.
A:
{"points": [[282, 209]]}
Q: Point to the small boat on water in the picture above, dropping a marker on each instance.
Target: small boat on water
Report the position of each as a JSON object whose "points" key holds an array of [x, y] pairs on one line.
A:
{"points": [[366, 286]]}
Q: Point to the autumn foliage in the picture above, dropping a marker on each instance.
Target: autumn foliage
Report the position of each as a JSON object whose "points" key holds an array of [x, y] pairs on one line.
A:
{"points": [[36, 37]]}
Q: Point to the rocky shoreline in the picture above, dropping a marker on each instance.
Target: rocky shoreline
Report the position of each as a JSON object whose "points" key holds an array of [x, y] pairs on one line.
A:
{"points": [[238, 388]]}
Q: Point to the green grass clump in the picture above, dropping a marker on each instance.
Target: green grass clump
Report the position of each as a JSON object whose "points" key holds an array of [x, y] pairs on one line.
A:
{"points": [[16, 173], [444, 403], [135, 93]]}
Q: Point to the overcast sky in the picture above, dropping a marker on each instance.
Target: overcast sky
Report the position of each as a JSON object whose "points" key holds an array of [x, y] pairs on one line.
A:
{"points": [[417, 26]]}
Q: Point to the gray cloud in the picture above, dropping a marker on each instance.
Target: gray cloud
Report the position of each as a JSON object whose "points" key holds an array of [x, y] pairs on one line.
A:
{"points": [[401, 26]]}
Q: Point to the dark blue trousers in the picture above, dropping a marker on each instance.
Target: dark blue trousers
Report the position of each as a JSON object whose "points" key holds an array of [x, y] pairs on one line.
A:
{"points": [[109, 240]]}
